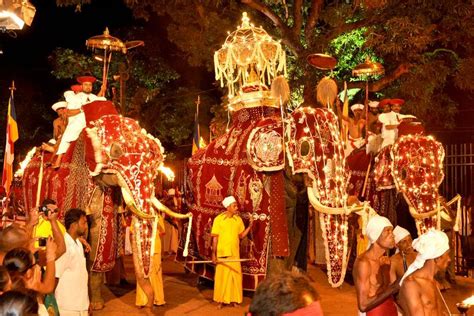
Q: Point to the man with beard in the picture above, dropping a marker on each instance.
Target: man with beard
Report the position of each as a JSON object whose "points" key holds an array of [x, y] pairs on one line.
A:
{"points": [[419, 293], [76, 118], [371, 271], [72, 290], [400, 261]]}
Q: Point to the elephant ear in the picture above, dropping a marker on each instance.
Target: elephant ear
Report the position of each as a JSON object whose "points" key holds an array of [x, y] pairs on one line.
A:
{"points": [[265, 146]]}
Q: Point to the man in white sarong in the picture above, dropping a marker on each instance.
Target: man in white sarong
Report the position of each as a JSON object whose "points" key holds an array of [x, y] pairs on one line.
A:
{"points": [[374, 140]]}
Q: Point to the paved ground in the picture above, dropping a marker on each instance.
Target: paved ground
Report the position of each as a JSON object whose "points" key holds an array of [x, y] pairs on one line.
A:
{"points": [[184, 297]]}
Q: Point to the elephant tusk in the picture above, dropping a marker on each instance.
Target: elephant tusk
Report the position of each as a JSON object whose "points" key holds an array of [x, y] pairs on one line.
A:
{"points": [[332, 210], [133, 207], [161, 207]]}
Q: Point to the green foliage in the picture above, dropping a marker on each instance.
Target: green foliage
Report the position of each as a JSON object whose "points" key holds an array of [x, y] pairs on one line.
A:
{"points": [[67, 64], [170, 115], [350, 50], [412, 33]]}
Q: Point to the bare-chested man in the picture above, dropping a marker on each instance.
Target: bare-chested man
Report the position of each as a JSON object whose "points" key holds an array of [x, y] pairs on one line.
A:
{"points": [[371, 271], [59, 124], [374, 139], [405, 256], [419, 294], [356, 127], [373, 117]]}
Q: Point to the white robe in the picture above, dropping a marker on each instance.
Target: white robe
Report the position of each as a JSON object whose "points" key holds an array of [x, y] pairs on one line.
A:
{"points": [[389, 135], [77, 122]]}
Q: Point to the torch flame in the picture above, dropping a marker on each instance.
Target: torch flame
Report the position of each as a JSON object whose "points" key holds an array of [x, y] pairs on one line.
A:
{"points": [[25, 162], [167, 172], [469, 301]]}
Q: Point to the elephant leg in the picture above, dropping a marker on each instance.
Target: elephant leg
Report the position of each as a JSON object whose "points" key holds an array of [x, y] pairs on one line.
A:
{"points": [[276, 265], [145, 295], [302, 219], [295, 215], [96, 279]]}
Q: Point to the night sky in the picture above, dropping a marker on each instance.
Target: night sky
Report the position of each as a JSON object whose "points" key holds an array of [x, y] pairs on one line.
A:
{"points": [[25, 60]]}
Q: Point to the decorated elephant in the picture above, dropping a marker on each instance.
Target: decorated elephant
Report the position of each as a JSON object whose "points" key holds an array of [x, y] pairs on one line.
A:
{"points": [[274, 161], [113, 160], [407, 173], [256, 162]]}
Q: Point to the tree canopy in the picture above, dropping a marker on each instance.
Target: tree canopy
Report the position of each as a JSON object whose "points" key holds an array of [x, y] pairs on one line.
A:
{"points": [[426, 46]]}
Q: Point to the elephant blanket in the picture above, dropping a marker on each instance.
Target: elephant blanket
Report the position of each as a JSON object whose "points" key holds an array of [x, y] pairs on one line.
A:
{"points": [[223, 168], [71, 186]]}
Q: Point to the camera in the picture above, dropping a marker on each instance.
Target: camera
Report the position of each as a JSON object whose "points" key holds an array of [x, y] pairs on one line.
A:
{"points": [[42, 241], [43, 209]]}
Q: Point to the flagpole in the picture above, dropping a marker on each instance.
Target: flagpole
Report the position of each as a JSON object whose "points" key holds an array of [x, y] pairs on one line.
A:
{"points": [[196, 132], [12, 90], [11, 137]]}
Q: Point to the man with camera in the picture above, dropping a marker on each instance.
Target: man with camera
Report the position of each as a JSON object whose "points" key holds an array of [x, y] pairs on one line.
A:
{"points": [[49, 226]]}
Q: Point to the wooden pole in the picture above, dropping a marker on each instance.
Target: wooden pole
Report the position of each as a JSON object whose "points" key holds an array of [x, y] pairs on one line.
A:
{"points": [[366, 176], [40, 180], [220, 261], [366, 109]]}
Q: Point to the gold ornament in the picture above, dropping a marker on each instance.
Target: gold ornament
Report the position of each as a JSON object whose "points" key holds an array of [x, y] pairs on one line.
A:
{"points": [[249, 57]]}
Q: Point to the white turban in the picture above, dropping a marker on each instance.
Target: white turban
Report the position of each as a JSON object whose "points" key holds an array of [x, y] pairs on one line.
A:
{"points": [[357, 106], [171, 192], [430, 245], [375, 226], [374, 104], [228, 201], [400, 233], [58, 105]]}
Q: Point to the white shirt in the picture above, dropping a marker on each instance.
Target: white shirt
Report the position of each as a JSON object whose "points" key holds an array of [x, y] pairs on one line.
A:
{"points": [[389, 135], [75, 123], [72, 291], [77, 100]]}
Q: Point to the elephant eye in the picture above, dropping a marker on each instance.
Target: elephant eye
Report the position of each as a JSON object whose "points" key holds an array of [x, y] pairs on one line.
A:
{"points": [[304, 148], [404, 174], [116, 151]]}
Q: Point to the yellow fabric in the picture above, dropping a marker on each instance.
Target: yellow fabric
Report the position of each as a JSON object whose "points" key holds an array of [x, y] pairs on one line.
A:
{"points": [[44, 230], [362, 240], [228, 230], [156, 273], [228, 277]]}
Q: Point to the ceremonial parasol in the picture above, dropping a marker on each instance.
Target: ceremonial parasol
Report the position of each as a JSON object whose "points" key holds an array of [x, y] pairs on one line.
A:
{"points": [[322, 61], [364, 70], [109, 44]]}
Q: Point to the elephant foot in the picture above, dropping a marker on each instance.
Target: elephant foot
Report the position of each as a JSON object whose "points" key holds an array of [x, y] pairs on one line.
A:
{"points": [[95, 306]]}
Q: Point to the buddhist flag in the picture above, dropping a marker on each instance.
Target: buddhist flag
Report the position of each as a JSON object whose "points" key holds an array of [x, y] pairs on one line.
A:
{"points": [[11, 138], [196, 133]]}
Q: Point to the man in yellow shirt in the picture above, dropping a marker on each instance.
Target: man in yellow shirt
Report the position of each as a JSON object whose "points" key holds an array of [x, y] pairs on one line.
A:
{"points": [[227, 230], [49, 226]]}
